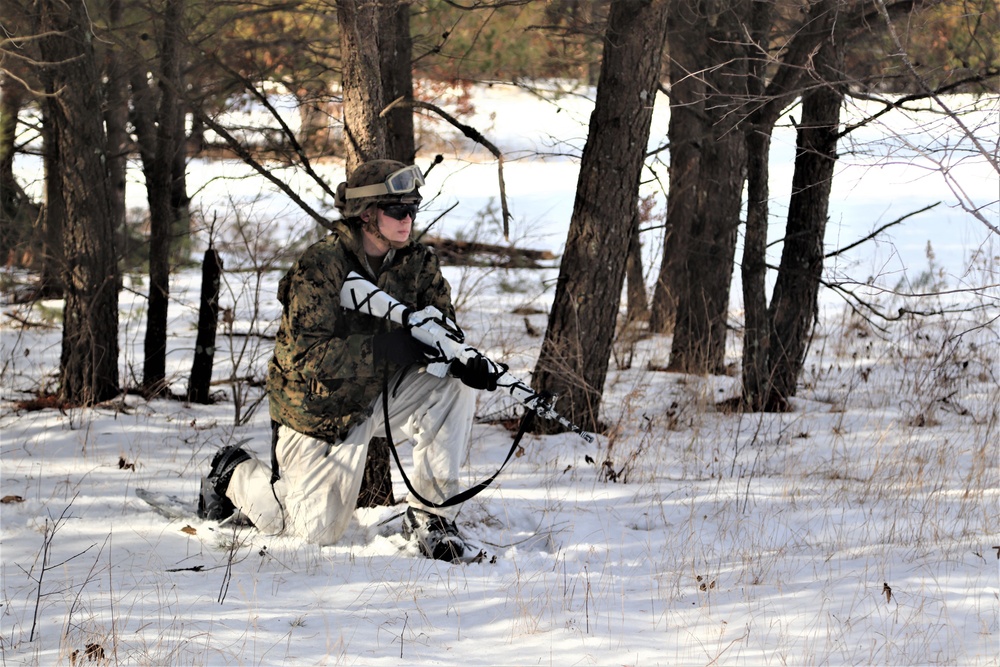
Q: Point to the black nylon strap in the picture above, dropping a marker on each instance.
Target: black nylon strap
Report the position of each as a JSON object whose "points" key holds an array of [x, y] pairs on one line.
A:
{"points": [[458, 498], [275, 469]]}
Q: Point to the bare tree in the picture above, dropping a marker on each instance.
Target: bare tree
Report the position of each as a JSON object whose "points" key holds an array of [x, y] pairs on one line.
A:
{"points": [[89, 360], [397, 77], [364, 97], [733, 75], [793, 304], [992, 70], [770, 99], [686, 44], [573, 361], [17, 211], [158, 117], [707, 258]]}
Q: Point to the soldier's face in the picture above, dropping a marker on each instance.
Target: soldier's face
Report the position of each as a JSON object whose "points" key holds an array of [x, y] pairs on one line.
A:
{"points": [[394, 230]]}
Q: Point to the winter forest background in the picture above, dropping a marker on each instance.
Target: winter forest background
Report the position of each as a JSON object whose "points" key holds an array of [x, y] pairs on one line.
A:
{"points": [[752, 246]]}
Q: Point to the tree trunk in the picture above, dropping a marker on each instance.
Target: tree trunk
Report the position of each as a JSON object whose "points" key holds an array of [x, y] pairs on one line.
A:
{"points": [[397, 78], [199, 385], [17, 212], [635, 283], [703, 300], [685, 132], [53, 270], [368, 72], [757, 335], [793, 307], [89, 360], [364, 131], [161, 144], [756, 332], [573, 361], [115, 120], [376, 485]]}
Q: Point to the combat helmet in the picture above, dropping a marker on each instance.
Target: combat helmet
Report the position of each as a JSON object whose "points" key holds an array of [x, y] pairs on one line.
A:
{"points": [[378, 181]]}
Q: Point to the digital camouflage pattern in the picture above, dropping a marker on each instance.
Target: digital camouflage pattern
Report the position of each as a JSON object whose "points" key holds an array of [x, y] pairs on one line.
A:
{"points": [[321, 379]]}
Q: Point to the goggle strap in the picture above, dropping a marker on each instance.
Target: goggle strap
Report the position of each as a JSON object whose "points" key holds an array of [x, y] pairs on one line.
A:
{"points": [[366, 191], [412, 180]]}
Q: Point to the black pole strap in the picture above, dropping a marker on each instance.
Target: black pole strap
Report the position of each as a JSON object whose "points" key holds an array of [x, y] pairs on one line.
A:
{"points": [[458, 498]]}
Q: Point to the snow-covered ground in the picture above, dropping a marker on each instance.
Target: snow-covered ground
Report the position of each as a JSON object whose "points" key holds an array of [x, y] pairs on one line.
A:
{"points": [[862, 528]]}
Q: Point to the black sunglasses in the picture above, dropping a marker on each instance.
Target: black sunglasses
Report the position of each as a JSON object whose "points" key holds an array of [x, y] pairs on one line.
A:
{"points": [[399, 211]]}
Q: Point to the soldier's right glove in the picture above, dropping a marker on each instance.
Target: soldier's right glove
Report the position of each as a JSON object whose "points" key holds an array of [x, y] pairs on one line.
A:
{"points": [[400, 348], [476, 373]]}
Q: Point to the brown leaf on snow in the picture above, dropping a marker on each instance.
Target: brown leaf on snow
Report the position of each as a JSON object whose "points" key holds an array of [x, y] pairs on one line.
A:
{"points": [[189, 530], [6, 500]]}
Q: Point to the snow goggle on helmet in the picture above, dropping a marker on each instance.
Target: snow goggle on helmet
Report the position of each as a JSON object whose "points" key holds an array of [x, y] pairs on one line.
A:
{"points": [[399, 182]]}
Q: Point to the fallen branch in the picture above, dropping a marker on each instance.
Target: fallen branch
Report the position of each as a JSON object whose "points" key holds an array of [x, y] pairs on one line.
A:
{"points": [[461, 253]]}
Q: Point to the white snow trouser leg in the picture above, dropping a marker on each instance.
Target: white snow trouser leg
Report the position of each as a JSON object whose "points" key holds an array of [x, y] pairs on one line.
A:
{"points": [[320, 483]]}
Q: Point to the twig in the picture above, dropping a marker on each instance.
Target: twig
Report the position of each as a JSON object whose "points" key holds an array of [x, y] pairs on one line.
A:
{"points": [[976, 142], [889, 105], [47, 538], [878, 231], [228, 574], [471, 133], [244, 154], [287, 131], [25, 322]]}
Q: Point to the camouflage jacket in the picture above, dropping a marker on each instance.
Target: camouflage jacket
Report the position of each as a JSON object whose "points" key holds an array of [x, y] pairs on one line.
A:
{"points": [[322, 380]]}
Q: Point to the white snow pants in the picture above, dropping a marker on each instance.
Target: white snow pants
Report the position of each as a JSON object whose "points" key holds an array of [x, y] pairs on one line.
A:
{"points": [[319, 485]]}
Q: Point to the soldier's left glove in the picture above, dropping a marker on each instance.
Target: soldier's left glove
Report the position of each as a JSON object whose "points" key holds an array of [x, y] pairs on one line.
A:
{"points": [[477, 373]]}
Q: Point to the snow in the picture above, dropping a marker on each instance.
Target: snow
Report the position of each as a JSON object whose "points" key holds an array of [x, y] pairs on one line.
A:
{"points": [[861, 528]]}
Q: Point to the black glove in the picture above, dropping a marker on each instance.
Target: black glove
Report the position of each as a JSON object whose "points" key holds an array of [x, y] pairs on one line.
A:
{"points": [[400, 348], [476, 373]]}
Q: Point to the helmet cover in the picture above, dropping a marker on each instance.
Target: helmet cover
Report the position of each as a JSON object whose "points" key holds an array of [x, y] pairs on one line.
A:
{"points": [[378, 181]]}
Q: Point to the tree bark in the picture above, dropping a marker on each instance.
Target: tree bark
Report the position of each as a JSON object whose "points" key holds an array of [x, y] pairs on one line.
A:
{"points": [[756, 330], [376, 485], [758, 130], [397, 78], [208, 325], [793, 306], [115, 120], [573, 361], [89, 360], [364, 98], [163, 143], [687, 39], [700, 325], [635, 283], [771, 100], [53, 270]]}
